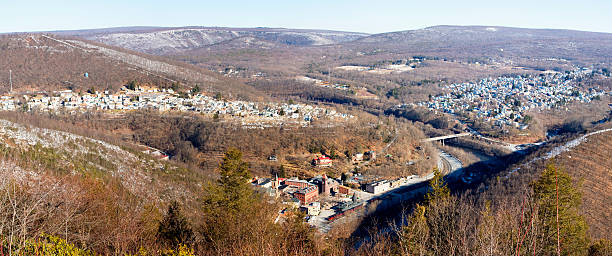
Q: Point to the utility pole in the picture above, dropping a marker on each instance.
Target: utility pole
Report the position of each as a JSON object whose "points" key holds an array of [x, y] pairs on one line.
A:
{"points": [[11, 79]]}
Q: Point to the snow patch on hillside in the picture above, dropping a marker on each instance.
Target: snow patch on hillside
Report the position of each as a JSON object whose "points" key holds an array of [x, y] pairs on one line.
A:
{"points": [[176, 40], [129, 167], [147, 64]]}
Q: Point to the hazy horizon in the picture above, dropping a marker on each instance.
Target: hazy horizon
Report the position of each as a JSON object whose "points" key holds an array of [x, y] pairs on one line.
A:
{"points": [[289, 28]]}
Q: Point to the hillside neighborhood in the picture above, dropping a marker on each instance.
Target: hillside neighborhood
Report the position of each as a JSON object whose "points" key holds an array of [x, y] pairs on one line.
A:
{"points": [[250, 114], [505, 100]]}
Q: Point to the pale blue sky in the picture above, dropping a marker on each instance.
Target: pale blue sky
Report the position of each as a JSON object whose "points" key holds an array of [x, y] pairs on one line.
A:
{"points": [[372, 16]]}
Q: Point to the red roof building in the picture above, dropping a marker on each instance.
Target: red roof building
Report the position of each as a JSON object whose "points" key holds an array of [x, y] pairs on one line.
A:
{"points": [[322, 161]]}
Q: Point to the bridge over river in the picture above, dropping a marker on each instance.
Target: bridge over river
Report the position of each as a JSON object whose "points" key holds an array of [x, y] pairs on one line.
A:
{"points": [[442, 138]]}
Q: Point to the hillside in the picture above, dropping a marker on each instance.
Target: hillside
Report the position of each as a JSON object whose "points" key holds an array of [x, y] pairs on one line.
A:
{"points": [[474, 43], [493, 42], [33, 151], [163, 41], [44, 62], [591, 162]]}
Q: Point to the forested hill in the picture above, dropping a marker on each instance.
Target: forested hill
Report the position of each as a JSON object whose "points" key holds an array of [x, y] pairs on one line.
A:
{"points": [[48, 62], [475, 42], [163, 41], [591, 164], [494, 42]]}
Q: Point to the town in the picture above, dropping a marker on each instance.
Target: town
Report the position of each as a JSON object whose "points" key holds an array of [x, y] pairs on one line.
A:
{"points": [[325, 200], [505, 100], [250, 114]]}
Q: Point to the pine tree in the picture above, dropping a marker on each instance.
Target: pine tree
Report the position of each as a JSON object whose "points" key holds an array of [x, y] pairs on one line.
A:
{"points": [[195, 89], [234, 181], [228, 204], [232, 192], [559, 212], [413, 237], [430, 227], [438, 189], [174, 229]]}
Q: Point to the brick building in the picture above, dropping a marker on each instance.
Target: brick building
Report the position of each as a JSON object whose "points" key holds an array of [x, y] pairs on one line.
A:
{"points": [[297, 183], [344, 190], [307, 195]]}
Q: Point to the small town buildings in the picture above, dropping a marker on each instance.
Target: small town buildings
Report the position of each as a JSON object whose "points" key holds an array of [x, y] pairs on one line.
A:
{"points": [[312, 209], [263, 182], [292, 203], [295, 182], [357, 158], [344, 190], [252, 114], [378, 186], [160, 155], [322, 161], [370, 155], [288, 190], [157, 154], [398, 182], [325, 184], [307, 195]]}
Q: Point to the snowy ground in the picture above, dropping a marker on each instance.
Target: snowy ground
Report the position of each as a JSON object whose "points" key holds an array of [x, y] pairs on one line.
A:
{"points": [[563, 148]]}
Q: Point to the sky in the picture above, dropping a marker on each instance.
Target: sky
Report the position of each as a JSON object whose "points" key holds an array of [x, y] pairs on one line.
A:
{"points": [[373, 16]]}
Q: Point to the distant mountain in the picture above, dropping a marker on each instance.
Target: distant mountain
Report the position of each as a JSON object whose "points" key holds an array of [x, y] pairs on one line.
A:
{"points": [[163, 41], [475, 42], [50, 62], [479, 41]]}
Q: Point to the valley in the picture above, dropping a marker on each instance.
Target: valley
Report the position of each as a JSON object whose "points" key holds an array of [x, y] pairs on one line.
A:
{"points": [[276, 141]]}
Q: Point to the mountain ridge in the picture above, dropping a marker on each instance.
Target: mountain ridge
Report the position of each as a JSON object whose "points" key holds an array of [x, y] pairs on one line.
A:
{"points": [[442, 41], [161, 40]]}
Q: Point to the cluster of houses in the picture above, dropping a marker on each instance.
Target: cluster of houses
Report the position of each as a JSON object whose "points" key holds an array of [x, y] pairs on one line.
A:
{"points": [[167, 100], [302, 193], [336, 197], [330, 199], [505, 100]]}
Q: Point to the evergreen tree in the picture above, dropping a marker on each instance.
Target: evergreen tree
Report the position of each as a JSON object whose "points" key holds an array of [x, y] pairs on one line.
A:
{"points": [[237, 193], [438, 189], [559, 212], [414, 236], [228, 199], [431, 227], [175, 87], [601, 248], [218, 96], [131, 85], [174, 229]]}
